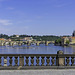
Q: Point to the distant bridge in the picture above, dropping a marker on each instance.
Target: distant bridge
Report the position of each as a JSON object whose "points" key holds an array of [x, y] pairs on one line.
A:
{"points": [[12, 43]]}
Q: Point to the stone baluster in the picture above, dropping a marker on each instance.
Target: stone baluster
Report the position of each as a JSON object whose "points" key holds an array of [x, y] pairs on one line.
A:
{"points": [[27, 61], [72, 61], [53, 61], [42, 61], [67, 60], [37, 60], [48, 61], [32, 61], [16, 61], [5, 61], [10, 61]]}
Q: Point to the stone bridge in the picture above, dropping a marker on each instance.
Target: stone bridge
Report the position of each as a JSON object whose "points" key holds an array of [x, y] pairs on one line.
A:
{"points": [[12, 43]]}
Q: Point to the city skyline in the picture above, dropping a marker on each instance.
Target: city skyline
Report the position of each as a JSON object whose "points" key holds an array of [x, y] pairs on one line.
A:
{"points": [[40, 17]]}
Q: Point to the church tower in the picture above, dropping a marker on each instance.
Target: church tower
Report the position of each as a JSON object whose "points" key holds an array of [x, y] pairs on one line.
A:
{"points": [[73, 34]]}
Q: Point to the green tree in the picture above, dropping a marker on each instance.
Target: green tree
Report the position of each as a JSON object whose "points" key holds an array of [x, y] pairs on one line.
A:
{"points": [[67, 41], [58, 41]]}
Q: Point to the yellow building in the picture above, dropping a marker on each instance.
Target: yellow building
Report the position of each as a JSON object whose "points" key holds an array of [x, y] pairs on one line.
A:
{"points": [[64, 39], [27, 39], [70, 39]]}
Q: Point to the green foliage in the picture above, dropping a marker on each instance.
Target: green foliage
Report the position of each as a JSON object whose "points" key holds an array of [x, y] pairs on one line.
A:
{"points": [[4, 36], [12, 36], [35, 37], [45, 38], [67, 42], [58, 41]]}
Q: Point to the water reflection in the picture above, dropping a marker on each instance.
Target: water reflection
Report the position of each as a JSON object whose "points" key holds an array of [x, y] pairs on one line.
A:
{"points": [[33, 49], [73, 49]]}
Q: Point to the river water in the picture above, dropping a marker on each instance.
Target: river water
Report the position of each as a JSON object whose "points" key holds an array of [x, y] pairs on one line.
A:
{"points": [[33, 49]]}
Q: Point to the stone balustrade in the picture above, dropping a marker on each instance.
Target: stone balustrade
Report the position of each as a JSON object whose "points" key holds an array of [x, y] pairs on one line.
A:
{"points": [[37, 60]]}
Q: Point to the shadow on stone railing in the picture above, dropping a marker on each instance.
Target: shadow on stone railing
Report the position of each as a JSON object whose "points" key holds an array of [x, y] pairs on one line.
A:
{"points": [[27, 61]]}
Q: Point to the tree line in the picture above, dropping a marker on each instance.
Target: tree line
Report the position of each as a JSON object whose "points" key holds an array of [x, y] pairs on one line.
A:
{"points": [[35, 37]]}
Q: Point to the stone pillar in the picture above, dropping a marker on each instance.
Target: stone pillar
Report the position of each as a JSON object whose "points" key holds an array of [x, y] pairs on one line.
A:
{"points": [[37, 43], [60, 60], [2, 44], [28, 43], [46, 43], [21, 61]]}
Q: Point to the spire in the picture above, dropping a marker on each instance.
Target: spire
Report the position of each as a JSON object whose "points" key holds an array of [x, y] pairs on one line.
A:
{"points": [[73, 33]]}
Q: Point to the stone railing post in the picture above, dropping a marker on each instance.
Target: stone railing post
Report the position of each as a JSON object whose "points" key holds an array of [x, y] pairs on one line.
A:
{"points": [[60, 60], [21, 61]]}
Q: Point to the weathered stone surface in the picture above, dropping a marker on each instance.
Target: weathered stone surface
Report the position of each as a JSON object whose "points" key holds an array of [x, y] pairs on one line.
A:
{"points": [[39, 72], [5, 62], [21, 61], [61, 61], [60, 52]]}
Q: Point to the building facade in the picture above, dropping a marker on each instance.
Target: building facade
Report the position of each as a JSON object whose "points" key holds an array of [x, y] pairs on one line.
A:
{"points": [[70, 40], [27, 39]]}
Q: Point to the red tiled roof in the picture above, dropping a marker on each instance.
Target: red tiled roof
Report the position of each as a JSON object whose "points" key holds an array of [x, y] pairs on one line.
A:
{"points": [[64, 37], [2, 39], [73, 37]]}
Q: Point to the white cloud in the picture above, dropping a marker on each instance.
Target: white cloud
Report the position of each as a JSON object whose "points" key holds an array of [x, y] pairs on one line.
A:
{"points": [[5, 22]]}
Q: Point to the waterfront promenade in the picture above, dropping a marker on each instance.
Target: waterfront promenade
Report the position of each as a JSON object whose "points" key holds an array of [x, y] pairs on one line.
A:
{"points": [[39, 72]]}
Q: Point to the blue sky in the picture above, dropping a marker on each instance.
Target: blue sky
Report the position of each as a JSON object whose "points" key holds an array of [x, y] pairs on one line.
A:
{"points": [[37, 17]]}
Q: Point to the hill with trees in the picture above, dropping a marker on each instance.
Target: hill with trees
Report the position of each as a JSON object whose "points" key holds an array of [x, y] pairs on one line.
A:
{"points": [[36, 37]]}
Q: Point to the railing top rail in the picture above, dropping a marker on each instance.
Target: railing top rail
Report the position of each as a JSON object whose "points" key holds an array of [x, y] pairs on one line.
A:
{"points": [[66, 55], [38, 55], [27, 55]]}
